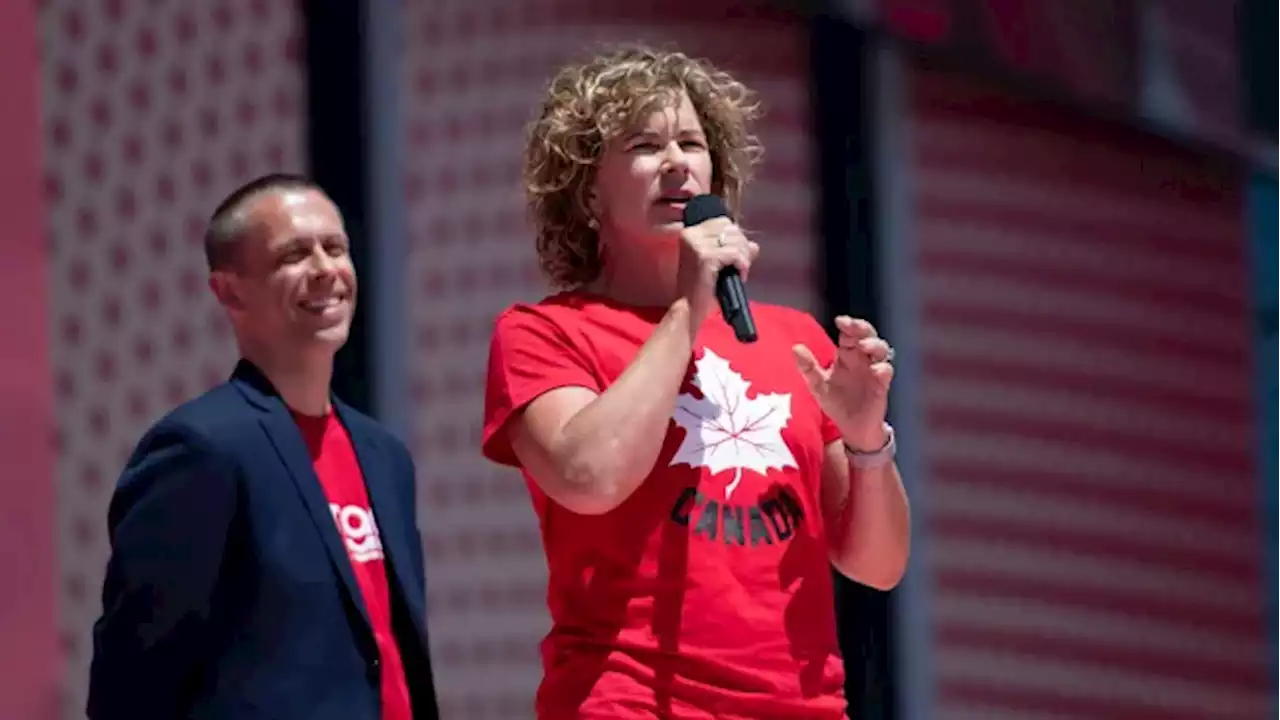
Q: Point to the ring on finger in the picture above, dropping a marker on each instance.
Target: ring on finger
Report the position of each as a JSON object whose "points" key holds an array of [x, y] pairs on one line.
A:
{"points": [[888, 354]]}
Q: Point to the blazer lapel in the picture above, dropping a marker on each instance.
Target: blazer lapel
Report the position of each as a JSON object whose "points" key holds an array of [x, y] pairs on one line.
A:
{"points": [[287, 440], [379, 479]]}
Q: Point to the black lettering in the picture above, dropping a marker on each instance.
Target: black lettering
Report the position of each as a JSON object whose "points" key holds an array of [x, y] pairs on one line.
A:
{"points": [[775, 519], [792, 506], [778, 519], [733, 530], [708, 520], [759, 533], [684, 507]]}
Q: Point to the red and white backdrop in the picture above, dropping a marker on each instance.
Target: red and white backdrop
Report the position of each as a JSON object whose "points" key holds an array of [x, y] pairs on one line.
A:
{"points": [[1085, 402], [473, 77], [29, 663], [151, 112]]}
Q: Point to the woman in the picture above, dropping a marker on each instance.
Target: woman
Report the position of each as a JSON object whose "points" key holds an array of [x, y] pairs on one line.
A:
{"points": [[692, 490]]}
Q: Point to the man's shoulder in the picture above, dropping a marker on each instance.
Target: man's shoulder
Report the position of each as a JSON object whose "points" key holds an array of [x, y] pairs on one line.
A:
{"points": [[214, 417], [202, 430], [371, 427], [370, 435], [208, 409]]}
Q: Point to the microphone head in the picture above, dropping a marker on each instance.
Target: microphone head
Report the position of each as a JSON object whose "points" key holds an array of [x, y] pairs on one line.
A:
{"points": [[702, 208]]}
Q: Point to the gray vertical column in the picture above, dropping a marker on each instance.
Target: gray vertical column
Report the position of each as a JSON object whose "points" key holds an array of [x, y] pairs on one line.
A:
{"points": [[1256, 23], [843, 98], [385, 143], [1262, 224], [893, 162]]}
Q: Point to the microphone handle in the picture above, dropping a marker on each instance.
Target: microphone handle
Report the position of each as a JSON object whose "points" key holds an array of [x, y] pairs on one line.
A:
{"points": [[733, 304]]}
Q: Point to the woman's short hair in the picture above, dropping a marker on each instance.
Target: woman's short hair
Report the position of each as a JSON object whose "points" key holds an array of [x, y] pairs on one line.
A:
{"points": [[587, 105]]}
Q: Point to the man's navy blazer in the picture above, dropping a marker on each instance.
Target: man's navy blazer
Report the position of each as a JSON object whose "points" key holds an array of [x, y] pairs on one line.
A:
{"points": [[229, 593]]}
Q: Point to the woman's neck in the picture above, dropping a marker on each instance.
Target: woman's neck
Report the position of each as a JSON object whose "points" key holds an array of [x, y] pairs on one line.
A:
{"points": [[629, 292], [639, 279]]}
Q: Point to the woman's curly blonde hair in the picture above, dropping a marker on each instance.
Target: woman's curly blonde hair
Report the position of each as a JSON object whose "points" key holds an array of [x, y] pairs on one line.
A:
{"points": [[591, 103]]}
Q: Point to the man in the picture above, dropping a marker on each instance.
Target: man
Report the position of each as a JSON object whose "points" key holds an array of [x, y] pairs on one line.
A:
{"points": [[265, 559]]}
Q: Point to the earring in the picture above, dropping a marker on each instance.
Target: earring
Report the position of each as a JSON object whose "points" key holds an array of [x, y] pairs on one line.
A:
{"points": [[593, 223]]}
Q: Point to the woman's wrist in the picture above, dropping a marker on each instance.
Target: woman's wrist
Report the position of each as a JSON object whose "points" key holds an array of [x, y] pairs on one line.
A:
{"points": [[681, 313], [868, 455]]}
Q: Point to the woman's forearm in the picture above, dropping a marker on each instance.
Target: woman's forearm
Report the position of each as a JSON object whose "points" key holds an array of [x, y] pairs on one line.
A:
{"points": [[872, 540], [610, 446]]}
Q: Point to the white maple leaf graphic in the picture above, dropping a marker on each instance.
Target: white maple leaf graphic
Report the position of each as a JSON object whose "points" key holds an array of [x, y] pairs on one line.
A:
{"points": [[726, 429]]}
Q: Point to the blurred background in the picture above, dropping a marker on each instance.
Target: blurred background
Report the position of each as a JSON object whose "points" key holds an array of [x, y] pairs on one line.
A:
{"points": [[1062, 213]]}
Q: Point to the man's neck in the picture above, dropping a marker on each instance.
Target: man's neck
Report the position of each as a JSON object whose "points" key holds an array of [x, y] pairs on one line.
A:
{"points": [[303, 380]]}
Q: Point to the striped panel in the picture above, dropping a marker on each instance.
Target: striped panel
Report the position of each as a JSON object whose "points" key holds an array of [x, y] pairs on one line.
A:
{"points": [[1085, 388]]}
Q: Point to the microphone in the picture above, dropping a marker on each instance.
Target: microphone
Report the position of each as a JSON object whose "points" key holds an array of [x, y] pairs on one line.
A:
{"points": [[729, 289]]}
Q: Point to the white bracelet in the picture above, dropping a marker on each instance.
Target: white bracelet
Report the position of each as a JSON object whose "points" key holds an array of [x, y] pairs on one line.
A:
{"points": [[866, 460]]}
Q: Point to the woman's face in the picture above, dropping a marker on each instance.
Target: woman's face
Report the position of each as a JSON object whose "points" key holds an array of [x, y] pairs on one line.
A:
{"points": [[647, 173]]}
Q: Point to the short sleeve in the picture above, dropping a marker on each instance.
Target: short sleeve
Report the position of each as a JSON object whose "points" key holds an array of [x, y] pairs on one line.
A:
{"points": [[823, 348], [529, 355]]}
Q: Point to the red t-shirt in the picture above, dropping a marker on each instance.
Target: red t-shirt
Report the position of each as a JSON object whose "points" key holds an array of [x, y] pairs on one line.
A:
{"points": [[335, 464], [708, 592]]}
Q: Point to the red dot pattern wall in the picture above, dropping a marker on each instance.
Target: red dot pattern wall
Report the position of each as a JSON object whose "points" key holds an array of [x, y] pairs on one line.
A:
{"points": [[1086, 395], [474, 73], [152, 112]]}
